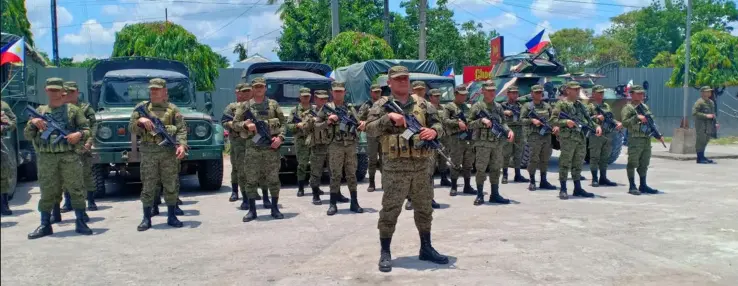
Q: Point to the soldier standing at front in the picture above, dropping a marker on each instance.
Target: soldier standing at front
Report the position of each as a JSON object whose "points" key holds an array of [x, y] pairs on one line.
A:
{"points": [[639, 142], [600, 147], [705, 123], [158, 163], [59, 167], [419, 89], [405, 164], [489, 147], [298, 127], [238, 146], [319, 137], [459, 140], [372, 143], [262, 158], [573, 141], [438, 159], [513, 150], [540, 145], [7, 169]]}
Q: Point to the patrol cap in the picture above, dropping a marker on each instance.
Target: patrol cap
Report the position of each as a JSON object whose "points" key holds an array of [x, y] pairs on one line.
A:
{"points": [[461, 89], [536, 88], [259, 81], [157, 83], [338, 85], [70, 85], [705, 88], [239, 87], [245, 87], [54, 83], [304, 91], [418, 84], [435, 92], [598, 88], [512, 88], [489, 85], [573, 84], [637, 88], [321, 93], [397, 71], [376, 87]]}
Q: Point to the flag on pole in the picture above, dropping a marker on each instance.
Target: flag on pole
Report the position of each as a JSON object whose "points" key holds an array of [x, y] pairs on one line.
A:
{"points": [[13, 52], [449, 73], [330, 74], [538, 42]]}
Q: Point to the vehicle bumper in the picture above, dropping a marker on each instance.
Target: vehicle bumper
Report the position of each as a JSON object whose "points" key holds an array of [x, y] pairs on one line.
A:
{"points": [[124, 156]]}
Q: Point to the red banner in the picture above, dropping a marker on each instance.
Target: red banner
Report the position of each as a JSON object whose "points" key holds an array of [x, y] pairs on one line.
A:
{"points": [[496, 50], [477, 73]]}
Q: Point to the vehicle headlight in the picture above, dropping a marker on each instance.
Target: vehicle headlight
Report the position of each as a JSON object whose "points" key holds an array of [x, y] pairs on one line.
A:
{"points": [[104, 132], [201, 131]]}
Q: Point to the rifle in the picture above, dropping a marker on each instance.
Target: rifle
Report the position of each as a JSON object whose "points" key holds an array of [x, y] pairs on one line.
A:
{"points": [[348, 121], [465, 135], [497, 129], [584, 128], [545, 128], [609, 123], [159, 127], [650, 126], [225, 118], [52, 126], [413, 127], [515, 110], [263, 135]]}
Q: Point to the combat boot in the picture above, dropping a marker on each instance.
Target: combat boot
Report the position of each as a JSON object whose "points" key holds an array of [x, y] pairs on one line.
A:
{"points": [[316, 197], [427, 252], [44, 229], [4, 207], [300, 188], [371, 187], [234, 193], [91, 206], [435, 205], [340, 198], [332, 209], [701, 158], [56, 214], [172, 217], [251, 215], [707, 159], [504, 175], [595, 182], [177, 210], [468, 188], [385, 257], [633, 190], [495, 196], [604, 181], [265, 199], [155, 208], [532, 185], [545, 185], [67, 203], [519, 177], [454, 185], [562, 192], [579, 192], [355, 203], [276, 214], [409, 205], [146, 222], [644, 188], [445, 182], [480, 195], [80, 225], [179, 201], [244, 203]]}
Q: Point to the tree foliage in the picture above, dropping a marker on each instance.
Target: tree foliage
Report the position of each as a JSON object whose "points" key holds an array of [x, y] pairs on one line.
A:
{"points": [[713, 60], [354, 47], [664, 59], [574, 48], [170, 41], [13, 19]]}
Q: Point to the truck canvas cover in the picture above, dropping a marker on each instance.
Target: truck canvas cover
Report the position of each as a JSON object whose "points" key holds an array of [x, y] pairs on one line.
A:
{"points": [[359, 77], [286, 72]]}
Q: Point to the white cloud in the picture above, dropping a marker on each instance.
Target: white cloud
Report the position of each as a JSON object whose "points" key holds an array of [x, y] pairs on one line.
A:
{"points": [[113, 10], [735, 28], [601, 27], [38, 16], [543, 25], [500, 22], [82, 57], [93, 32], [472, 5], [550, 9]]}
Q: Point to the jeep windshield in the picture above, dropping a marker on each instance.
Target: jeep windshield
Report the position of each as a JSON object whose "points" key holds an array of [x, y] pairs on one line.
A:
{"points": [[289, 93], [130, 92]]}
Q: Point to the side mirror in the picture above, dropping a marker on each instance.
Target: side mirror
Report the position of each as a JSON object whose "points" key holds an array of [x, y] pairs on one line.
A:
{"points": [[645, 84], [208, 100]]}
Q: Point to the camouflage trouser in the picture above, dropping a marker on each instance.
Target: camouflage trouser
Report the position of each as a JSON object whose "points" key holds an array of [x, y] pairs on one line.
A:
{"points": [[399, 185], [702, 139], [160, 170], [88, 185], [489, 154], [513, 151], [375, 157], [57, 172], [342, 158], [7, 169], [462, 154], [238, 159], [318, 156], [303, 158], [573, 150], [639, 155], [600, 148], [540, 152], [262, 166]]}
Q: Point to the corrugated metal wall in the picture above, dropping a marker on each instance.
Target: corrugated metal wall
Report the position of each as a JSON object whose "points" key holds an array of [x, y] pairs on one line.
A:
{"points": [[67, 74]]}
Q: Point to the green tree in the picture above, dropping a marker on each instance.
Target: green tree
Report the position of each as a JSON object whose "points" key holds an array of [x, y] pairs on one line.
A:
{"points": [[170, 41], [13, 19], [574, 48], [241, 51], [663, 60], [354, 47], [608, 49], [713, 61]]}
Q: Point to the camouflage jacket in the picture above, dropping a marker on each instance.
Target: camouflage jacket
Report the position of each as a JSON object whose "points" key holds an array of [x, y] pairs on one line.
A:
{"points": [[89, 113], [268, 110], [543, 110], [70, 117], [8, 118], [700, 110], [169, 115], [481, 131], [513, 120], [571, 109], [592, 109], [631, 121], [300, 113], [451, 118]]}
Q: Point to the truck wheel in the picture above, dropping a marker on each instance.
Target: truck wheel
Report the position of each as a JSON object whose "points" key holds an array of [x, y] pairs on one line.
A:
{"points": [[617, 146], [99, 173], [210, 174], [526, 157], [363, 165], [28, 171]]}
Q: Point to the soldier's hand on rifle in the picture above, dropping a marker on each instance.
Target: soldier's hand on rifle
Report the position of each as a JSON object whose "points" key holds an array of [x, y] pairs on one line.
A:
{"points": [[39, 123], [333, 118], [555, 130], [508, 113], [300, 125], [74, 137], [510, 136], [598, 131], [487, 122], [249, 125], [642, 118], [600, 117], [276, 141], [619, 125], [710, 116], [462, 125], [362, 125], [180, 152], [88, 146], [536, 122], [570, 123], [397, 118], [146, 123], [427, 134]]}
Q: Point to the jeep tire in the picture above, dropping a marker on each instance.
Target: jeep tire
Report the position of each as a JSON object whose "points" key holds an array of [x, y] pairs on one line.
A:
{"points": [[210, 174]]}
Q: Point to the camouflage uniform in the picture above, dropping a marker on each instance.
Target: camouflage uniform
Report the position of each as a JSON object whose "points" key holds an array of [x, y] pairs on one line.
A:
{"points": [[600, 147], [237, 151], [375, 156], [319, 138], [540, 145], [639, 144], [513, 150], [462, 151], [300, 135], [704, 127], [8, 168], [262, 162], [59, 167]]}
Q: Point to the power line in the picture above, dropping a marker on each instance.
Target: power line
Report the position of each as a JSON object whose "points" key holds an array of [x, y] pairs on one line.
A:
{"points": [[149, 18], [116, 2], [251, 40], [231, 22], [599, 3]]}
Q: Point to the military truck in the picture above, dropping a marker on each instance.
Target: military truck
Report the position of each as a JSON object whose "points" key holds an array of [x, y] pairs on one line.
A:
{"points": [[284, 80], [116, 85]]}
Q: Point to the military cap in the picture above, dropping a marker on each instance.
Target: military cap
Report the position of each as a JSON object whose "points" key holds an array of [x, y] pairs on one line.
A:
{"points": [[435, 92], [573, 84], [239, 86], [536, 88], [461, 89], [54, 83], [418, 84], [157, 83], [375, 87], [598, 88], [321, 93], [338, 85], [304, 91], [512, 88], [258, 81], [637, 88], [245, 87], [705, 88], [396, 71], [70, 85], [489, 85]]}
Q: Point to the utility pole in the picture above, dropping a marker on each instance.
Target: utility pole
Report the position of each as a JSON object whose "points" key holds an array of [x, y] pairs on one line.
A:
{"points": [[166, 15], [334, 19], [421, 41], [386, 23], [686, 63], [54, 37]]}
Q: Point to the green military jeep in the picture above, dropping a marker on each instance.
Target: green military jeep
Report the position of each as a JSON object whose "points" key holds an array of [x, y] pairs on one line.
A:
{"points": [[116, 86]]}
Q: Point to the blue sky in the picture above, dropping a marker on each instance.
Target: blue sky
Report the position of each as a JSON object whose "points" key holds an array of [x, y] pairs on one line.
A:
{"points": [[87, 27]]}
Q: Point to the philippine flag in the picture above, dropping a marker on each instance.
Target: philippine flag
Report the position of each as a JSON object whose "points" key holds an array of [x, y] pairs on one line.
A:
{"points": [[449, 73], [538, 43], [12, 52]]}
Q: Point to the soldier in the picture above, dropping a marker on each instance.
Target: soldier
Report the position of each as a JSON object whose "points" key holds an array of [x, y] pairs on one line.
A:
{"points": [[705, 123], [435, 99], [601, 146], [419, 90], [263, 159], [572, 137], [158, 164], [59, 167], [238, 147], [639, 142], [319, 139], [459, 139], [513, 150], [375, 156], [8, 120], [342, 149], [405, 164], [297, 126], [489, 146], [540, 145]]}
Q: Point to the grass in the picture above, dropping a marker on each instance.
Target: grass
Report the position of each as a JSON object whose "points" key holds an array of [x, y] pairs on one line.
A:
{"points": [[728, 140]]}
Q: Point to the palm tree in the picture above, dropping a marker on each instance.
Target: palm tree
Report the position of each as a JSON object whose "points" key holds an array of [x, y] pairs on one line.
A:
{"points": [[283, 5], [15, 20], [242, 51]]}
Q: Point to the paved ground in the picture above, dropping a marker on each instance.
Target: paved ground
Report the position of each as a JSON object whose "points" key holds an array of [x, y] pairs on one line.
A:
{"points": [[688, 235]]}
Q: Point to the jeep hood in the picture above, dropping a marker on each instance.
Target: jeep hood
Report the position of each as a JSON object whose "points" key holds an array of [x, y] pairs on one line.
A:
{"points": [[124, 113]]}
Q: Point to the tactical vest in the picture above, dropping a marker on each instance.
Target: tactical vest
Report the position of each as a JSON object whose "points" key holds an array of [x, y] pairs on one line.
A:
{"points": [[64, 115], [395, 146], [342, 136], [544, 112], [323, 136], [484, 133], [264, 111], [166, 115]]}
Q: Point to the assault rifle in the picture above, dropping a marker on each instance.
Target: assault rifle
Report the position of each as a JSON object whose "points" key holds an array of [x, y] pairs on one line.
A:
{"points": [[263, 136], [414, 127], [465, 135], [159, 127], [348, 122], [52, 126], [650, 126], [545, 128], [497, 129], [609, 123], [225, 118], [515, 110], [581, 127]]}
